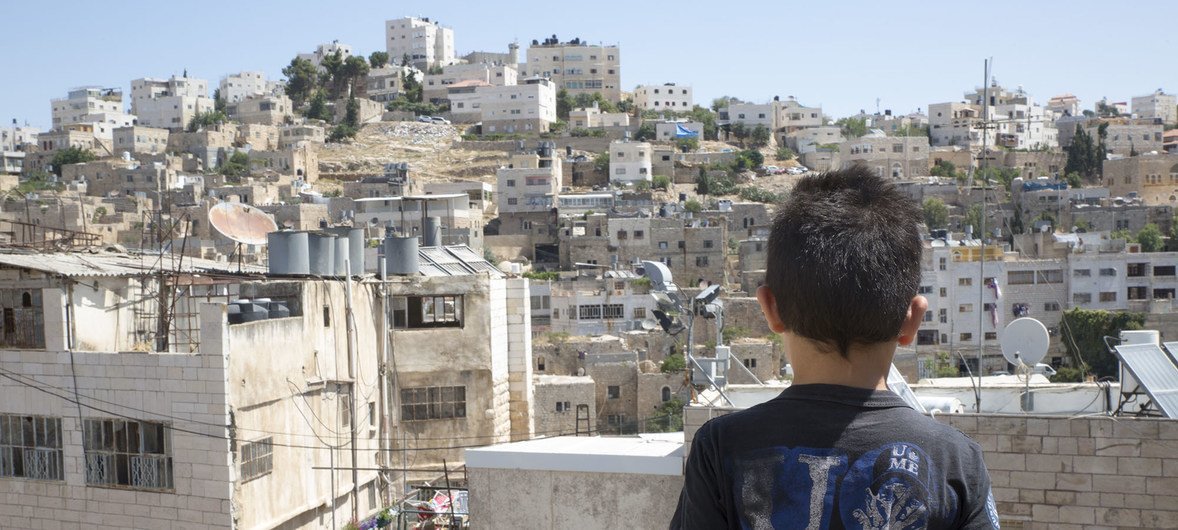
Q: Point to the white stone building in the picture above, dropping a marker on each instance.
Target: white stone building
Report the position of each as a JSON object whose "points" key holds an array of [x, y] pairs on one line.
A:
{"points": [[237, 87], [434, 85], [1157, 106], [665, 97], [426, 42], [600, 306], [102, 107], [629, 161], [169, 103], [530, 106], [324, 50], [530, 182], [576, 66]]}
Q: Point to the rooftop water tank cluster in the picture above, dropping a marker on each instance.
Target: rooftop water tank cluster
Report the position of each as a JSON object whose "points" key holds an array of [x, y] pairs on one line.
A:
{"points": [[246, 310], [335, 251]]}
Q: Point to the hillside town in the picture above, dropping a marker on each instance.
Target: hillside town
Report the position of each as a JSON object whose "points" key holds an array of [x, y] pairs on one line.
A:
{"points": [[428, 287]]}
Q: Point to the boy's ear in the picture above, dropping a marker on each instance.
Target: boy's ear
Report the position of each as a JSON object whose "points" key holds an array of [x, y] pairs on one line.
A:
{"points": [[912, 320], [769, 308]]}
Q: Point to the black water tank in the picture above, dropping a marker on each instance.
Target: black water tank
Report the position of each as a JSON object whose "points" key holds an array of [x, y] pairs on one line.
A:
{"points": [[278, 310], [234, 312]]}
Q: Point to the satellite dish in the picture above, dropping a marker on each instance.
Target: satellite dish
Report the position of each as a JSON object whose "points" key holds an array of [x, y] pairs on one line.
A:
{"points": [[241, 222], [650, 324], [1024, 340]]}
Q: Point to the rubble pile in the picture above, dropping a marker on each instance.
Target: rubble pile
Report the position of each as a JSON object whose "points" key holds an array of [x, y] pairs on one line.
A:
{"points": [[425, 146]]}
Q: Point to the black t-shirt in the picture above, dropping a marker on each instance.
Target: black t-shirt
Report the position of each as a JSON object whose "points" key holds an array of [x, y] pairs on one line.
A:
{"points": [[828, 456]]}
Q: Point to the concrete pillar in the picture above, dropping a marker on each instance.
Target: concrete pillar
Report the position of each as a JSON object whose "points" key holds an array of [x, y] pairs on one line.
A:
{"points": [[214, 329], [519, 352], [54, 301]]}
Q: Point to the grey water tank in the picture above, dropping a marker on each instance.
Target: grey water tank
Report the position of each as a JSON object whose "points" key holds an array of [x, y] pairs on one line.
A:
{"points": [[432, 232], [400, 255], [278, 310], [322, 253], [342, 255], [355, 237], [288, 252]]}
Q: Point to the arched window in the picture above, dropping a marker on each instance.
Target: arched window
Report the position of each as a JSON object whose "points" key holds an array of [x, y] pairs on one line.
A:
{"points": [[897, 170], [666, 394], [540, 363]]}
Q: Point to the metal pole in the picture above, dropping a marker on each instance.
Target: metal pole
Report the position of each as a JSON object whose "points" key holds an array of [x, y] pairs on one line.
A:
{"points": [[382, 370], [353, 390], [982, 236]]}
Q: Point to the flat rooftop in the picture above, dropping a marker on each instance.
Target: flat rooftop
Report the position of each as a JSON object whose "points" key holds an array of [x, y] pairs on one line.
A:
{"points": [[644, 454]]}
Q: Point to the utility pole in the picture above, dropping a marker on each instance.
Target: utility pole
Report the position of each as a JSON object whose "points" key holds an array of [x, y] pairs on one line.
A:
{"points": [[353, 391], [982, 236]]}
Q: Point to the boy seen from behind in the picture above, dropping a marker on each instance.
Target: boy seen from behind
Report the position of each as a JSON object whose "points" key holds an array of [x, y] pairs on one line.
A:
{"points": [[837, 449]]}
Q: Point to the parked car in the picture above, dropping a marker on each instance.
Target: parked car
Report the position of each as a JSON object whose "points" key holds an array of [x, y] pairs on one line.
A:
{"points": [[1043, 369], [425, 119], [772, 170], [439, 119]]}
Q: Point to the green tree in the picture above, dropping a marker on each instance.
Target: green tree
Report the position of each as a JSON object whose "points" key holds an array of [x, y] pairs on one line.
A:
{"points": [[944, 168], [668, 417], [755, 194], [1150, 238], [353, 72], [760, 135], [852, 127], [203, 120], [911, 130], [673, 363], [378, 59], [317, 108], [411, 88], [723, 102], [237, 166], [645, 132], [601, 162], [661, 182], [69, 155], [1084, 331], [944, 366], [740, 131], [301, 80], [1074, 180], [693, 206], [564, 104], [936, 214], [687, 144], [973, 217], [1067, 374], [218, 101], [331, 76], [706, 117], [784, 154]]}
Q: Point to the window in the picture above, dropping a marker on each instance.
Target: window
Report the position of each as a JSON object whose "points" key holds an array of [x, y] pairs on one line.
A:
{"points": [[1051, 276], [613, 311], [1081, 298], [944, 292], [512, 201], [326, 316], [964, 282], [1138, 293], [991, 335], [639, 234], [926, 289], [666, 394], [1108, 296], [701, 261], [942, 263], [966, 337], [926, 337], [1163, 270], [708, 243], [1082, 273], [442, 311], [1136, 270], [433, 403], [965, 308], [30, 447], [23, 319], [943, 315], [1020, 277], [589, 312], [137, 454], [750, 363], [562, 406], [510, 183], [257, 458], [1108, 272], [613, 392], [1051, 306], [928, 316], [639, 313]]}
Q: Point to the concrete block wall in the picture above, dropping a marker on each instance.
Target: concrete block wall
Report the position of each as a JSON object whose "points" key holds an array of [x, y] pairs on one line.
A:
{"points": [[549, 390], [159, 387], [1078, 473], [519, 358]]}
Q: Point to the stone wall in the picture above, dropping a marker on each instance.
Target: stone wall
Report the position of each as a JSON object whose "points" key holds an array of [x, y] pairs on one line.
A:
{"points": [[549, 390]]}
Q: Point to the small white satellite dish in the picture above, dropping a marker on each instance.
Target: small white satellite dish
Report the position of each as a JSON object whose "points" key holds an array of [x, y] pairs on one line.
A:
{"points": [[650, 324], [1024, 340]]}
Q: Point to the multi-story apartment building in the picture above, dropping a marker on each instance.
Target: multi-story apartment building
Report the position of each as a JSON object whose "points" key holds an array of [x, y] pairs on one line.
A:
{"points": [[386, 83], [1159, 106], [237, 87], [810, 139], [1064, 105], [324, 50], [779, 116], [15, 137], [577, 66], [101, 107], [139, 139], [1126, 137], [792, 116], [750, 114], [425, 42], [695, 249], [530, 106], [611, 304], [1151, 177], [665, 97], [434, 85], [592, 118], [1016, 121], [169, 103], [264, 109], [629, 161], [888, 156]]}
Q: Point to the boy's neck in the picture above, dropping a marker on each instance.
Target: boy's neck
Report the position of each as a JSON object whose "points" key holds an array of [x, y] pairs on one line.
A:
{"points": [[864, 366]]}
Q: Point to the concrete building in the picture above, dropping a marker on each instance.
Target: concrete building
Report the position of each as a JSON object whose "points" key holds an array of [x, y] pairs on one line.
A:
{"points": [[215, 415], [1153, 178], [750, 114], [529, 184], [427, 43], [694, 249], [1126, 137], [956, 124], [408, 215], [169, 103], [559, 400], [258, 136], [888, 156], [1064, 105], [292, 135], [1016, 121], [481, 195], [611, 304], [593, 118], [16, 137], [576, 66], [100, 108], [300, 161], [669, 131], [434, 85], [665, 97], [385, 84], [629, 162], [139, 139], [242, 85], [527, 107], [809, 140], [324, 50], [146, 175], [79, 135], [1159, 107], [792, 116], [263, 109], [211, 145]]}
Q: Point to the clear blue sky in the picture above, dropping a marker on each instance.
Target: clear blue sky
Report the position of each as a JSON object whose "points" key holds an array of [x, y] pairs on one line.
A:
{"points": [[842, 55]]}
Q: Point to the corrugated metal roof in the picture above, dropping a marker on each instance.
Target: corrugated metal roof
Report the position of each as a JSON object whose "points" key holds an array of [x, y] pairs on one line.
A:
{"points": [[458, 260], [84, 264]]}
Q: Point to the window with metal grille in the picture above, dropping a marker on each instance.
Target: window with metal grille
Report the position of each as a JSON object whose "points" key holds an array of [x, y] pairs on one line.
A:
{"points": [[613, 392], [433, 403], [589, 312], [30, 447], [136, 454], [257, 458], [613, 311]]}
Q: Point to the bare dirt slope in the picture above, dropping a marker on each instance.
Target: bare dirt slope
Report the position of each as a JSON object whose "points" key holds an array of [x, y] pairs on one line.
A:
{"points": [[425, 146]]}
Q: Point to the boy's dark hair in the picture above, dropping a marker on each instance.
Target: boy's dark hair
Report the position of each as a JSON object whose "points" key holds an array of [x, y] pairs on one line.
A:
{"points": [[844, 258]]}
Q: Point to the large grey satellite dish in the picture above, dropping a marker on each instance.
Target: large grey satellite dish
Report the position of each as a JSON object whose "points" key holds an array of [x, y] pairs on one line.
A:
{"points": [[650, 324], [241, 222], [1025, 340]]}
